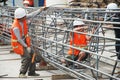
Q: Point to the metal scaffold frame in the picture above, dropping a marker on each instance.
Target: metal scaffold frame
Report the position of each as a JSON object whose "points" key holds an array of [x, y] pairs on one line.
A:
{"points": [[50, 37]]}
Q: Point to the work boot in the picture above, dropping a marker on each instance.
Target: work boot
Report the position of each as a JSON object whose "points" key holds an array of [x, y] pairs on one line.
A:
{"points": [[22, 76], [33, 74]]}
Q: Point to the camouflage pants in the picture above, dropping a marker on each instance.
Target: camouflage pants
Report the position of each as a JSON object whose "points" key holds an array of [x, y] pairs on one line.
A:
{"points": [[26, 63]]}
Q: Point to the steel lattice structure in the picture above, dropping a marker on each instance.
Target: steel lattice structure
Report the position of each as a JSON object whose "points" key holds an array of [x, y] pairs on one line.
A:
{"points": [[50, 37]]}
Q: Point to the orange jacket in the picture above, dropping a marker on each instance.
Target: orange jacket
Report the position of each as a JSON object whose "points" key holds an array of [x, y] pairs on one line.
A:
{"points": [[78, 40], [17, 47]]}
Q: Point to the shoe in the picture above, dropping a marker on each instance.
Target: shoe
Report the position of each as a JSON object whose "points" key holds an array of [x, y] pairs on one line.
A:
{"points": [[22, 76], [33, 74]]}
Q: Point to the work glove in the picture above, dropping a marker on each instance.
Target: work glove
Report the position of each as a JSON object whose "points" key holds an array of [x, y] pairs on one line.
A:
{"points": [[43, 8], [28, 49]]}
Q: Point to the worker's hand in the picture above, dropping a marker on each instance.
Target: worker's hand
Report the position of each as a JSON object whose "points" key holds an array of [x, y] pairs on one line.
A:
{"points": [[43, 8], [28, 49]]}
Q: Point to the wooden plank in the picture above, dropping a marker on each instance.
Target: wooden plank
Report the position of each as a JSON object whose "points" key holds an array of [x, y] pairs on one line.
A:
{"points": [[45, 68], [2, 75], [61, 76]]}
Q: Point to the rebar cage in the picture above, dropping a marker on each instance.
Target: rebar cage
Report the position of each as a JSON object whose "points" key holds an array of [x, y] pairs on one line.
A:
{"points": [[50, 30]]}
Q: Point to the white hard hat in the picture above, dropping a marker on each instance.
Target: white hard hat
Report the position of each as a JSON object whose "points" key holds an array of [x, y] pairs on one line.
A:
{"points": [[20, 13], [26, 2], [78, 22], [112, 6]]}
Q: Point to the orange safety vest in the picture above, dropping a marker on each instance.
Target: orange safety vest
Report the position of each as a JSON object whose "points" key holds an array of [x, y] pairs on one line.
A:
{"points": [[78, 40], [17, 47]]}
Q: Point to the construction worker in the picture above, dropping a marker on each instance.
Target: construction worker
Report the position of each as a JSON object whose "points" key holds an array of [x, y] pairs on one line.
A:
{"points": [[20, 40], [30, 2], [115, 18], [26, 3], [78, 40]]}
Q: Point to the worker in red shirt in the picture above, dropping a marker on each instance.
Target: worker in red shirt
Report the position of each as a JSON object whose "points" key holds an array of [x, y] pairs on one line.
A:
{"points": [[29, 3], [26, 3]]}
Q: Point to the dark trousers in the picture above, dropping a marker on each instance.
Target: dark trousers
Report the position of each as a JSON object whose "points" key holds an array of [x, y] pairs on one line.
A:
{"points": [[117, 47], [26, 64]]}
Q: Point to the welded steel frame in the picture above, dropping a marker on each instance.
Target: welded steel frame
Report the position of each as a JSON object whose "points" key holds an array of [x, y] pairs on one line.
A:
{"points": [[50, 38]]}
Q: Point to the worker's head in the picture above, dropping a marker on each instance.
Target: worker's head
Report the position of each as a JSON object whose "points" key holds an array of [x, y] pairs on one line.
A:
{"points": [[77, 23], [20, 13], [112, 6], [26, 3]]}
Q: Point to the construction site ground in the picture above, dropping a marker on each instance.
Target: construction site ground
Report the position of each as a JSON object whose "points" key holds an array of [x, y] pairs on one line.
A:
{"points": [[10, 65]]}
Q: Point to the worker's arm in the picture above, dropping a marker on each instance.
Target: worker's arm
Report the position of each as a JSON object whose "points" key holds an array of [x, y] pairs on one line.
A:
{"points": [[17, 34], [32, 14], [108, 26], [89, 37]]}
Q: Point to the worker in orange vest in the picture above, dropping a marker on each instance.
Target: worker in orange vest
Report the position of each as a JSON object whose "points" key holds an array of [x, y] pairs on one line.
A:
{"points": [[20, 40], [78, 40]]}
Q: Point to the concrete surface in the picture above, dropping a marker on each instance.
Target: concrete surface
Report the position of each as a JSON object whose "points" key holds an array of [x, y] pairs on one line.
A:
{"points": [[10, 64]]}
